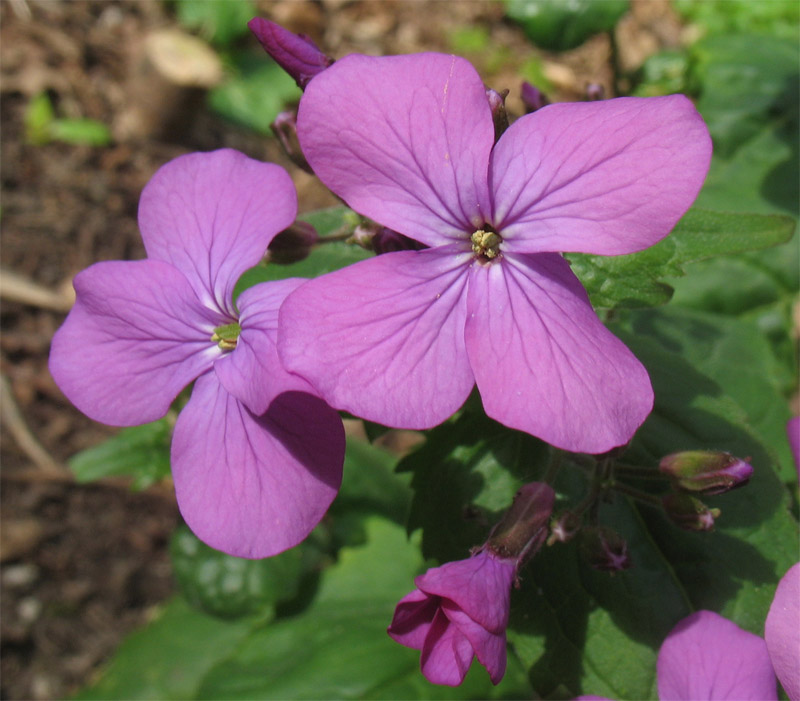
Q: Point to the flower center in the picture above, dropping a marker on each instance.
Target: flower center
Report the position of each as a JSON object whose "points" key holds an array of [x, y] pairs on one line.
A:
{"points": [[227, 335], [486, 244]]}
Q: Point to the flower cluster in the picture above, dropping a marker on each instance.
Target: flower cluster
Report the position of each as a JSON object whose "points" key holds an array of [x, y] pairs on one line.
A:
{"points": [[470, 217]]}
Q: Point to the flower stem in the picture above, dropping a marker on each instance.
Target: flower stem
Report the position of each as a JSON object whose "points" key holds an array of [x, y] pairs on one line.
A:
{"points": [[637, 494]]}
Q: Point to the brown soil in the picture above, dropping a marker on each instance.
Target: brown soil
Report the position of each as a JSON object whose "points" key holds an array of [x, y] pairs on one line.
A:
{"points": [[83, 565]]}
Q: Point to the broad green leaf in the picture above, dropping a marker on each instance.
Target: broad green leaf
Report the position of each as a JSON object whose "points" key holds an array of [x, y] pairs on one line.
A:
{"points": [[232, 587], [338, 648], [564, 24], [218, 21], [169, 657], [88, 132], [776, 17], [255, 95], [324, 258], [464, 476], [140, 452], [332, 221], [636, 280]]}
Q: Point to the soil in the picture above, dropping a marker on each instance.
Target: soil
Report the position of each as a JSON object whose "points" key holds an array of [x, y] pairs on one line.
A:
{"points": [[83, 565]]}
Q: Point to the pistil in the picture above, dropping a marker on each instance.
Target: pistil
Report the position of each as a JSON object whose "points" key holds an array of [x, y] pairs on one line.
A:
{"points": [[227, 335]]}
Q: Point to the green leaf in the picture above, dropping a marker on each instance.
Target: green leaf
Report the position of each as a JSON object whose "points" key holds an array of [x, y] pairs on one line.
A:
{"points": [[86, 132], [168, 658], [464, 476], [255, 95], [324, 258], [39, 115], [664, 73], [777, 18], [218, 21], [140, 452], [564, 24], [636, 280], [332, 221], [338, 648], [231, 587]]}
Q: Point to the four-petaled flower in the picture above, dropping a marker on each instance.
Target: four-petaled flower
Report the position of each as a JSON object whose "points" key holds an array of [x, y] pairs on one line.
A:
{"points": [[256, 455], [458, 610], [401, 339]]}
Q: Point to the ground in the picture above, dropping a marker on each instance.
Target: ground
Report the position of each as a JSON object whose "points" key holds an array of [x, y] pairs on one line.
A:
{"points": [[82, 565]]}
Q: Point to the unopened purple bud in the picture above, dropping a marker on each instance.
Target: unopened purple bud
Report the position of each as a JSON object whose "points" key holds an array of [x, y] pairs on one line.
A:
{"points": [[292, 244], [533, 98], [387, 241], [605, 549], [295, 53], [497, 103], [285, 128], [595, 91], [523, 528], [705, 471], [564, 527], [689, 513]]}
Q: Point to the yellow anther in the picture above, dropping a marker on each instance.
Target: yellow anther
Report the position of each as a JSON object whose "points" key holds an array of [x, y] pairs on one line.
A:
{"points": [[486, 244]]}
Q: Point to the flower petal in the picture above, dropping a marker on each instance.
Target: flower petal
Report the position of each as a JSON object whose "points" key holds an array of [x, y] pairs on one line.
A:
{"points": [[212, 216], [543, 361], [490, 648], [384, 338], [404, 140], [135, 338], [447, 654], [255, 486], [782, 632], [470, 584], [605, 177], [707, 656], [253, 372], [412, 619]]}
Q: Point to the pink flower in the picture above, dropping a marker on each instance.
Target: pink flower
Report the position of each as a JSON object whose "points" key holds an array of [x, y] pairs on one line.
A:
{"points": [[782, 632], [458, 610], [256, 455], [402, 338]]}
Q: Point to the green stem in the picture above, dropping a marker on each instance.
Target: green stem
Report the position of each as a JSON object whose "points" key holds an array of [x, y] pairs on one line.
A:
{"points": [[637, 494], [556, 460]]}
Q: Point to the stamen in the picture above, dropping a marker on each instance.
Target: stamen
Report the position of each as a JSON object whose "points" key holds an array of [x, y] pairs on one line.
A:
{"points": [[226, 336], [486, 244]]}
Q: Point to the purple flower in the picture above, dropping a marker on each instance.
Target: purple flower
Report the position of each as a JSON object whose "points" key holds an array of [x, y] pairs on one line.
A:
{"points": [[782, 632], [256, 457], [458, 610], [706, 471], [793, 434], [401, 339]]}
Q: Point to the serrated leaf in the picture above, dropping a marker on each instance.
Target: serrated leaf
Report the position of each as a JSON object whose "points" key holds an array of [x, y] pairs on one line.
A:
{"points": [[565, 24], [464, 476], [232, 587], [636, 280], [139, 452], [338, 648], [255, 95], [169, 657]]}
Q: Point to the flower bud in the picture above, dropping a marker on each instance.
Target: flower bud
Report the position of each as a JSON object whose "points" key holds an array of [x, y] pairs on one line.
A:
{"points": [[564, 527], [689, 513], [595, 91], [705, 471], [523, 528], [295, 53], [604, 549], [292, 244], [285, 128], [533, 98], [497, 103], [387, 241]]}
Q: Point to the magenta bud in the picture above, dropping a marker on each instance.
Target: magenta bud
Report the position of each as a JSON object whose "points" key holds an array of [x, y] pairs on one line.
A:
{"points": [[285, 128], [604, 549], [705, 471], [533, 98], [523, 528], [497, 103], [292, 244], [689, 513], [595, 91], [387, 241], [564, 527], [295, 53]]}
